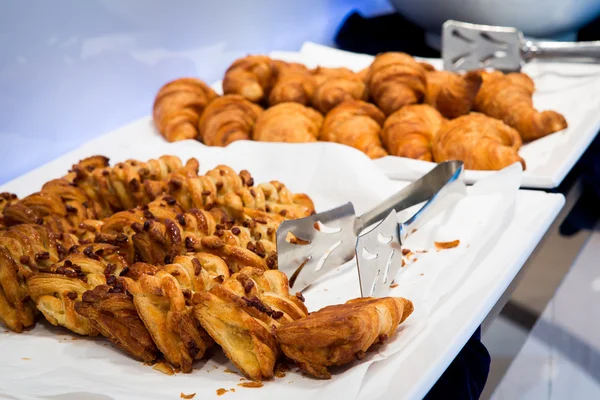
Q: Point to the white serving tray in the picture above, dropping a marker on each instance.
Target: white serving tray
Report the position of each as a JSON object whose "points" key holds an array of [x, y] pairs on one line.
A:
{"points": [[571, 89], [499, 227]]}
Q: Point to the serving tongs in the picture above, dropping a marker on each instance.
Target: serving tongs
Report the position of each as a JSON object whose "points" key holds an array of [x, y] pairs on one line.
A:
{"points": [[310, 247], [468, 46]]}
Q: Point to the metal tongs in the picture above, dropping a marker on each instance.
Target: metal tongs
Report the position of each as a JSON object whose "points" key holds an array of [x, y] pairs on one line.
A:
{"points": [[310, 247], [468, 46]]}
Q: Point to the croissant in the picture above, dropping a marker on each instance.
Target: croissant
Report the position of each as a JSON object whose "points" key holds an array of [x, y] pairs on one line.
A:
{"points": [[509, 98], [294, 84], [409, 132], [227, 119], [336, 85], [357, 124], [251, 77], [110, 311], [337, 335], [396, 80], [239, 315], [56, 290], [452, 94], [178, 106], [481, 142], [288, 122]]}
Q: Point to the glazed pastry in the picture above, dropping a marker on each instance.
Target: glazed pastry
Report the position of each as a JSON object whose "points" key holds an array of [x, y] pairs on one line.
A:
{"points": [[509, 98], [294, 84], [481, 142], [452, 94], [288, 122], [409, 132], [227, 119], [110, 311], [251, 77], [161, 304], [56, 290], [357, 124], [336, 85], [178, 106], [396, 80], [239, 315], [24, 249], [338, 335]]}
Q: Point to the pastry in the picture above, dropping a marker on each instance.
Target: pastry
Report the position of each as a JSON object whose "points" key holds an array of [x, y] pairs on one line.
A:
{"points": [[337, 335], [409, 132], [227, 119], [357, 124], [396, 80], [288, 122], [452, 94], [336, 85], [251, 77], [178, 106], [509, 98], [481, 142], [294, 84]]}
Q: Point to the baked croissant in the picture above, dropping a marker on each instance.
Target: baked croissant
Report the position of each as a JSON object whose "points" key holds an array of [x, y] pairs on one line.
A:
{"points": [[355, 123], [294, 84], [337, 335], [227, 119], [251, 76], [509, 98], [481, 142], [409, 132], [288, 122], [239, 316], [396, 80], [452, 94], [336, 85], [178, 106]]}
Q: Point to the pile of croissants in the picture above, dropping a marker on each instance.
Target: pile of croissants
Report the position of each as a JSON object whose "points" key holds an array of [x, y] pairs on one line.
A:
{"points": [[397, 106]]}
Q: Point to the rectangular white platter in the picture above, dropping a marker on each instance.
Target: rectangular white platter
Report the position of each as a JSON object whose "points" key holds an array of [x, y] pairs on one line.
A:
{"points": [[499, 227]]}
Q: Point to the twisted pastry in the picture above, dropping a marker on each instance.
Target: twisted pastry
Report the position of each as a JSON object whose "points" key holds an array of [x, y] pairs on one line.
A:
{"points": [[357, 124], [336, 85], [6, 199], [56, 290], [24, 249], [481, 142], [227, 119], [396, 80], [294, 84], [510, 98], [251, 77], [337, 335], [452, 94], [288, 122], [178, 106], [410, 131], [240, 313]]}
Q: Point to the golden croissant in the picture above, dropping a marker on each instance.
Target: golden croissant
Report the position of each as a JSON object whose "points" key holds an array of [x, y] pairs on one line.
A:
{"points": [[227, 119], [355, 123], [178, 106], [452, 94], [336, 85], [410, 131], [294, 84], [396, 80], [288, 122], [481, 142], [251, 77], [337, 335], [509, 98]]}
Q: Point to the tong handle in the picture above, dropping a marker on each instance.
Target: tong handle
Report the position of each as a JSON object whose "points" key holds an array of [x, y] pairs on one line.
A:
{"points": [[421, 190], [576, 51]]}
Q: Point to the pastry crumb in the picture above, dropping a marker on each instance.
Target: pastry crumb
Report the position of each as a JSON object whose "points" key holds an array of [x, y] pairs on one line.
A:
{"points": [[232, 390], [221, 391], [421, 274], [403, 263], [187, 396], [405, 252], [164, 368], [447, 245], [25, 358], [229, 371], [280, 370], [393, 285], [251, 384]]}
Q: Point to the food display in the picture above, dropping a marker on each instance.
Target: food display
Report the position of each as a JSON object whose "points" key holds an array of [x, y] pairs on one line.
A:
{"points": [[397, 106], [170, 265]]}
